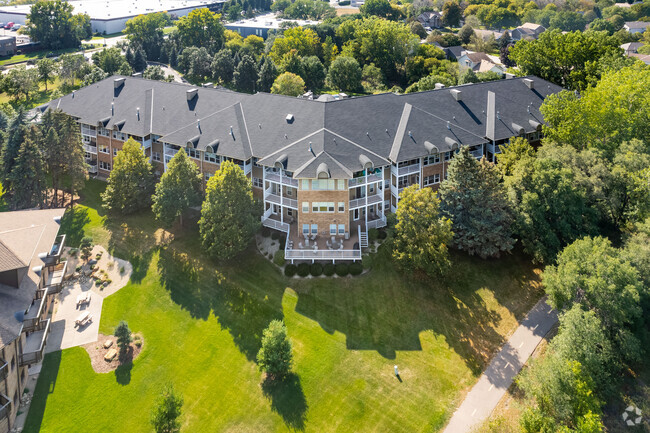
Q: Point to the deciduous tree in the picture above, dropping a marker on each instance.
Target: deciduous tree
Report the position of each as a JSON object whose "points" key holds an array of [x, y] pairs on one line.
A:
{"points": [[178, 190], [202, 28], [167, 410], [345, 74], [46, 71], [288, 84], [246, 75], [147, 31], [52, 24], [275, 357]]}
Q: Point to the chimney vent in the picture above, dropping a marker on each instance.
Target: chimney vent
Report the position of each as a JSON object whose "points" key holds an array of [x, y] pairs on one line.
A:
{"points": [[439, 86], [119, 82], [529, 83], [191, 94], [457, 94]]}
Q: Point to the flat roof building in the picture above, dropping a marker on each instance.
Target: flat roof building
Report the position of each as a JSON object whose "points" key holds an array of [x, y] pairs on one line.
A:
{"points": [[111, 16], [260, 25]]}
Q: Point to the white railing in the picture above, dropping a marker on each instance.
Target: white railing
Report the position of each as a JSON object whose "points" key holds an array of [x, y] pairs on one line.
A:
{"points": [[248, 167], [378, 223], [308, 254], [275, 224], [393, 190], [267, 213], [92, 169], [276, 199], [361, 202], [404, 171], [90, 149], [85, 130], [284, 180], [357, 202], [375, 198], [478, 153], [358, 181], [171, 152], [146, 144]]}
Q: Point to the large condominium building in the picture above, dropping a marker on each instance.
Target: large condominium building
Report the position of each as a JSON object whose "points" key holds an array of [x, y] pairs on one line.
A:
{"points": [[324, 169], [30, 274]]}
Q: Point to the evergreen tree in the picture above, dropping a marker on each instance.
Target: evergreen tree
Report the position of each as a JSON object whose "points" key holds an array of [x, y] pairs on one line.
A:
{"points": [[268, 74], [139, 60], [313, 73], [165, 414], [475, 201], [178, 190], [14, 137], [123, 335], [275, 357], [28, 174], [131, 182], [246, 75], [504, 49], [229, 215], [223, 66]]}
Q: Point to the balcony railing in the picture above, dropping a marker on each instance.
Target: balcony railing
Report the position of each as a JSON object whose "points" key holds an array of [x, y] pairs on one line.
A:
{"points": [[92, 167], [361, 202], [90, 149], [271, 197], [5, 406], [291, 254], [32, 317], [54, 255], [35, 345], [54, 282], [377, 223], [284, 180], [4, 370], [275, 224], [358, 181], [404, 171]]}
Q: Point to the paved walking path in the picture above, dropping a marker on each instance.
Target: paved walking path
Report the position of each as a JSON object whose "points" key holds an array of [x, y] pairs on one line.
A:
{"points": [[497, 378]]}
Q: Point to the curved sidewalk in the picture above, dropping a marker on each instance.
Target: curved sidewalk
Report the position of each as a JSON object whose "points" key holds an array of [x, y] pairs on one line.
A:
{"points": [[497, 378]]}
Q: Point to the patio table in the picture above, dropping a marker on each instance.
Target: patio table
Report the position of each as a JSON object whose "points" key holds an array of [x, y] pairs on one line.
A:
{"points": [[83, 316]]}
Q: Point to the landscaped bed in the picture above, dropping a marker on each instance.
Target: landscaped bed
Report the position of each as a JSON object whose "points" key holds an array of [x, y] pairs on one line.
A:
{"points": [[97, 353]]}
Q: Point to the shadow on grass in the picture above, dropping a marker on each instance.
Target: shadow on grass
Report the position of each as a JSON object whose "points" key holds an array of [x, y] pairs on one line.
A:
{"points": [[72, 224], [244, 297], [44, 387], [287, 400], [123, 373]]}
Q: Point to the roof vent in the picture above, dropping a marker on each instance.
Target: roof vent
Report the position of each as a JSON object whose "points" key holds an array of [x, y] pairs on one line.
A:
{"points": [[37, 269], [207, 85], [310, 149], [137, 75], [112, 108], [281, 161], [42, 255], [290, 118], [431, 148], [365, 162], [439, 86], [453, 144], [119, 82], [322, 172], [191, 94], [518, 129], [57, 219], [137, 110], [457, 94], [529, 83]]}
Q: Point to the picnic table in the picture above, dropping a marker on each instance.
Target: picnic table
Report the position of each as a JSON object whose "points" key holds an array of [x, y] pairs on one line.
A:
{"points": [[83, 318], [110, 355], [83, 298]]}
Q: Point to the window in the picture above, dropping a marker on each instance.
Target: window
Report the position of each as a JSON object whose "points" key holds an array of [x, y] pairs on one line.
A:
{"points": [[115, 151], [119, 135], [332, 229], [103, 148], [341, 229], [322, 207], [290, 212], [305, 184], [305, 207], [387, 183], [258, 183], [208, 176], [341, 183], [104, 165], [431, 180], [341, 206], [305, 229], [314, 229], [211, 157], [289, 192], [13, 363], [192, 153], [445, 177], [386, 205], [88, 155], [156, 156], [103, 131], [447, 156], [432, 159]]}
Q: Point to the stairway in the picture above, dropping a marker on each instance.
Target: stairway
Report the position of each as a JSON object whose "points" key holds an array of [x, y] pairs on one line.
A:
{"points": [[363, 239]]}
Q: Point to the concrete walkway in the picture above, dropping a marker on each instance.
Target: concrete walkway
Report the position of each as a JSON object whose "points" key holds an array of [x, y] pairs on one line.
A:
{"points": [[497, 378]]}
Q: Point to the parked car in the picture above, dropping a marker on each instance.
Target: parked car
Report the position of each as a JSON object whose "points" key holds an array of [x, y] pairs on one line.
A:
{"points": [[9, 25], [16, 27], [2, 25]]}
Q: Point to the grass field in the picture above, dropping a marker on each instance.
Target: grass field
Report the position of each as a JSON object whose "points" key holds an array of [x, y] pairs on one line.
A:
{"points": [[202, 324], [38, 98], [35, 55]]}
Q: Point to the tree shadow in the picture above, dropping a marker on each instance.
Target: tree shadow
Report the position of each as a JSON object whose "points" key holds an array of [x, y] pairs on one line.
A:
{"points": [[133, 242], [123, 371], [244, 296], [44, 387], [288, 400], [72, 224]]}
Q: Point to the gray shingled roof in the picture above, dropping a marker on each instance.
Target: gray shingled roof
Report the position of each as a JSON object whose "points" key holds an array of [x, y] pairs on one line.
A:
{"points": [[265, 126], [8, 259]]}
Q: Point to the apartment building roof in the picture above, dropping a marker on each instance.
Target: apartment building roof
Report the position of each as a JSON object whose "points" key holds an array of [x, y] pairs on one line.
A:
{"points": [[382, 128], [23, 235]]}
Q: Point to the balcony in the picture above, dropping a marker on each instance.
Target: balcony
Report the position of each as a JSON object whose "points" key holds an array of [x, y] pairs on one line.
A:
{"points": [[275, 224], [377, 223], [92, 167], [90, 149], [284, 180], [54, 281], [406, 170], [361, 202], [35, 345], [5, 406], [53, 257], [4, 370], [358, 181], [272, 197], [32, 317]]}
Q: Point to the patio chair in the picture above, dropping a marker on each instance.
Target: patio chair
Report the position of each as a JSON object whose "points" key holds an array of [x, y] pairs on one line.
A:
{"points": [[333, 239], [328, 243], [341, 246], [315, 249], [313, 237], [300, 245], [306, 242]]}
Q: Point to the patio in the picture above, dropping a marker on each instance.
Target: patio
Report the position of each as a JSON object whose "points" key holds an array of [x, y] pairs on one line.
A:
{"points": [[321, 246]]}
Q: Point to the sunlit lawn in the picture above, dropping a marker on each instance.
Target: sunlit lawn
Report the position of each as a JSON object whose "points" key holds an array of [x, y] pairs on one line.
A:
{"points": [[202, 323], [38, 98]]}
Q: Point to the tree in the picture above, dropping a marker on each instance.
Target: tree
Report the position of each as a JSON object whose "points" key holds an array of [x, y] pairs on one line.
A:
{"points": [[229, 215], [475, 201], [86, 247], [552, 211], [21, 82], [451, 14], [70, 66], [139, 63], [246, 76], [592, 273], [268, 74], [313, 73], [304, 41], [201, 28], [505, 43], [109, 59], [28, 173], [422, 236], [200, 62], [167, 410], [13, 139], [178, 190], [223, 66], [568, 21], [511, 153], [345, 74], [418, 30], [371, 78], [467, 76], [147, 31], [275, 357], [96, 74], [131, 181], [309, 9], [379, 8], [288, 84], [156, 73], [52, 24], [46, 71], [123, 335], [465, 33]]}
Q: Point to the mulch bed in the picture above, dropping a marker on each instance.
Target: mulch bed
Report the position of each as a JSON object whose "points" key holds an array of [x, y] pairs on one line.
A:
{"points": [[96, 352]]}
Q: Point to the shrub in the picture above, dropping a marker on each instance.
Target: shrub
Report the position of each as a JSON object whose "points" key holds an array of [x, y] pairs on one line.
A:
{"points": [[290, 270], [275, 236], [138, 343], [342, 269], [98, 283], [382, 234], [328, 269], [109, 281], [303, 269], [77, 269], [316, 269], [122, 270], [73, 252], [373, 234], [283, 242], [266, 232], [279, 258], [356, 268]]}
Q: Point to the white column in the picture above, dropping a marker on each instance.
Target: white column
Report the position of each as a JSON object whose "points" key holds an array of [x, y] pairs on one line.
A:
{"points": [[281, 198]]}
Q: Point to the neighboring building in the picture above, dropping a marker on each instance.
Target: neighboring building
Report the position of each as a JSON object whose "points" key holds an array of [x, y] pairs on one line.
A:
{"points": [[430, 20], [645, 58], [30, 274], [321, 168], [260, 25], [527, 31], [487, 34], [636, 26], [111, 16], [7, 46], [631, 48], [480, 62], [455, 52]]}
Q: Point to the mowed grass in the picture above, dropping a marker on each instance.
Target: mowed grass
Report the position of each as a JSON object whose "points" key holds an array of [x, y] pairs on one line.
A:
{"points": [[202, 322]]}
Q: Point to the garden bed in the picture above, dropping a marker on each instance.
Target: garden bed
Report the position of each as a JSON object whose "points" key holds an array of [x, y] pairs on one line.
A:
{"points": [[97, 351]]}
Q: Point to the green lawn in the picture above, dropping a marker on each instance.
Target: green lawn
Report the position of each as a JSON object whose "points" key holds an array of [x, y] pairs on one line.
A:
{"points": [[202, 323], [35, 55], [38, 98]]}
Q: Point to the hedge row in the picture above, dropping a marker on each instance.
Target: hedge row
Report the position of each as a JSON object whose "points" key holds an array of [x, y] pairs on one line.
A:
{"points": [[316, 269]]}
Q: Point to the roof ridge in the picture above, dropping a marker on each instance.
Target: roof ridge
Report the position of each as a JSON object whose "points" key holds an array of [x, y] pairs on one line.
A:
{"points": [[356, 144]]}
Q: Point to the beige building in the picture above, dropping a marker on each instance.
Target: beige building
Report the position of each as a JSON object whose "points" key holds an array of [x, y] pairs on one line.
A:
{"points": [[30, 274]]}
